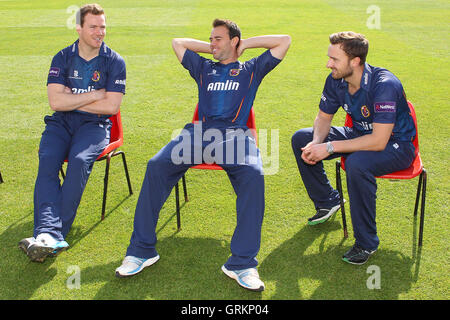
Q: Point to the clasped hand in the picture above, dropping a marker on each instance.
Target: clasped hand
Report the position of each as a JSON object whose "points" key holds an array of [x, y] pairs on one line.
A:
{"points": [[314, 152]]}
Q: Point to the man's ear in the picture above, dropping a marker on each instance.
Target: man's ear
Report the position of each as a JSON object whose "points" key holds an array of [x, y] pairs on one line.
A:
{"points": [[78, 28], [235, 41], [356, 61]]}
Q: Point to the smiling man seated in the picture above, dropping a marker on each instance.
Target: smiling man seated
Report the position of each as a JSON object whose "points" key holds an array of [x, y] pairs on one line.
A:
{"points": [[226, 91]]}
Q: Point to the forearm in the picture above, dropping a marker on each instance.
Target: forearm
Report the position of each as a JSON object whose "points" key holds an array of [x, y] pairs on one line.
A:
{"points": [[109, 105], [180, 45], [321, 128], [65, 101], [375, 141], [277, 44], [268, 41]]}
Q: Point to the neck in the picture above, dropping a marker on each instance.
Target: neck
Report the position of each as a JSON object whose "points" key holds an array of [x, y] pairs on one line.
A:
{"points": [[231, 59], [354, 80], [87, 52]]}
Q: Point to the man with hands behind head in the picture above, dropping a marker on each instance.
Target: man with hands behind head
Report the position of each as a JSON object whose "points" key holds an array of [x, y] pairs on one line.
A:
{"points": [[226, 91]]}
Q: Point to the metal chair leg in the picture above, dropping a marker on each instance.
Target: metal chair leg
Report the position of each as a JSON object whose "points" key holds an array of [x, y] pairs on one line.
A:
{"points": [[341, 197], [423, 176], [419, 189], [177, 199], [186, 199], [126, 171], [105, 185]]}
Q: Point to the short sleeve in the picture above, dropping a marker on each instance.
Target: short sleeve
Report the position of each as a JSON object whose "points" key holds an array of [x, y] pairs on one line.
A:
{"points": [[329, 102], [192, 62], [57, 72], [385, 102], [117, 76], [264, 63]]}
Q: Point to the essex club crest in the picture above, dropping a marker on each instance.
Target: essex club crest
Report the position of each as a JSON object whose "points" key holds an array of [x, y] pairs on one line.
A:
{"points": [[365, 111], [96, 76], [234, 72]]}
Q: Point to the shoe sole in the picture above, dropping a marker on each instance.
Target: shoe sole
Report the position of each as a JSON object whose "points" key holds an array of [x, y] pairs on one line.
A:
{"points": [[22, 246], [358, 263], [233, 276], [146, 264], [326, 217], [39, 253]]}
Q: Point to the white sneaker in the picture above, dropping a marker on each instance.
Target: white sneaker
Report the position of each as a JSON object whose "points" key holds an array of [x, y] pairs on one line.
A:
{"points": [[246, 278], [45, 245], [132, 265]]}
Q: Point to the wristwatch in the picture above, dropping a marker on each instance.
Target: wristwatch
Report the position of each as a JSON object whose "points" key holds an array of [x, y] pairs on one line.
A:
{"points": [[330, 148]]}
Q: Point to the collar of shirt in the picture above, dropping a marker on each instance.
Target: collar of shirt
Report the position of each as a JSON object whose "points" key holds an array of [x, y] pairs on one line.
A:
{"points": [[74, 49], [365, 79]]}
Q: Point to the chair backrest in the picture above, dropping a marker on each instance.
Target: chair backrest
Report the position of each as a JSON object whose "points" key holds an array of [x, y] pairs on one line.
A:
{"points": [[116, 128], [251, 123], [412, 112], [116, 135]]}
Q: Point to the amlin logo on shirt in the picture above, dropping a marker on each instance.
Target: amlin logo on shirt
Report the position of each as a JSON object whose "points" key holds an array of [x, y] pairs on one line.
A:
{"points": [[223, 86]]}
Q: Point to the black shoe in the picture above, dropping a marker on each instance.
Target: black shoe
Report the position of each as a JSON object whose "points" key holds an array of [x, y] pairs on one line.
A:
{"points": [[357, 255], [323, 215]]}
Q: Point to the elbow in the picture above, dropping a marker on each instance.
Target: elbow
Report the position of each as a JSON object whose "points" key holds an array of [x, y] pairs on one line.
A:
{"points": [[54, 105], [287, 39], [177, 42], [115, 110], [379, 146]]}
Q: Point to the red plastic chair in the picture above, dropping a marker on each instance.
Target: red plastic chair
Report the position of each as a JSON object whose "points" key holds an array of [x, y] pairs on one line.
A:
{"points": [[414, 170], [205, 166], [116, 140]]}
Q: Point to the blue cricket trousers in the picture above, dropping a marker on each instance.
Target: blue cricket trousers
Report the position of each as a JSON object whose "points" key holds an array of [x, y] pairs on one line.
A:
{"points": [[80, 138], [361, 169], [164, 170]]}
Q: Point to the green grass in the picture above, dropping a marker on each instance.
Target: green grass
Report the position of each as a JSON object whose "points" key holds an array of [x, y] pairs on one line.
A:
{"points": [[296, 261]]}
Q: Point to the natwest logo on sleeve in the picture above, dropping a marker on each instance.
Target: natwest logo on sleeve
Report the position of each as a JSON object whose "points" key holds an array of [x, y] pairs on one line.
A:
{"points": [[54, 72], [388, 106]]}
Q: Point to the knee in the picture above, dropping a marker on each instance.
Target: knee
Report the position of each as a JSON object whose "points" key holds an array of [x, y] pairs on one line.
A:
{"points": [[156, 165], [301, 138], [79, 163], [49, 164]]}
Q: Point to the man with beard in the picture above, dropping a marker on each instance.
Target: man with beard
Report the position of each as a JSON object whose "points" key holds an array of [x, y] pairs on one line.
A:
{"points": [[380, 141]]}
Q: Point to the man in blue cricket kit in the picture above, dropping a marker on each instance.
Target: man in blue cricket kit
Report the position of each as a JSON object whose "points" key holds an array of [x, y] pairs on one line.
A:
{"points": [[380, 141], [226, 92], [85, 86]]}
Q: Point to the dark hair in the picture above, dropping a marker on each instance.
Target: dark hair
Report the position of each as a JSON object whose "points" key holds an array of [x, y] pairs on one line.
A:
{"points": [[93, 8], [233, 29], [354, 44]]}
